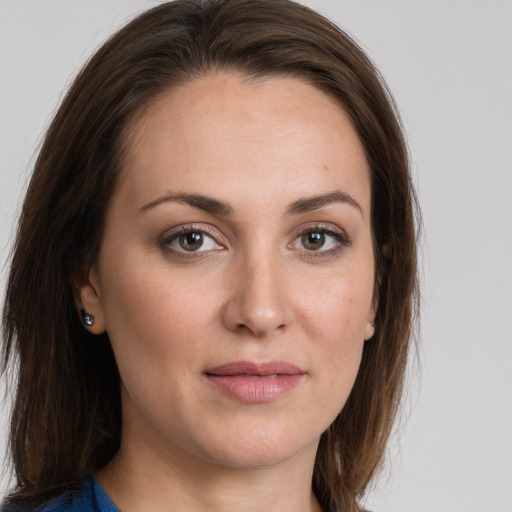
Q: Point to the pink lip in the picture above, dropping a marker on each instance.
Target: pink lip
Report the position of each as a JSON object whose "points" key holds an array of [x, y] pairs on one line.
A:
{"points": [[255, 382]]}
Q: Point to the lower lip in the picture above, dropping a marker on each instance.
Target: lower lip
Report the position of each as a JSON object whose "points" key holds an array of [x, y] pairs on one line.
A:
{"points": [[255, 388]]}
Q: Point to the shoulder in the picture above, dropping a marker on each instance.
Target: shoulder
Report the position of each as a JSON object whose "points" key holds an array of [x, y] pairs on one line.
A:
{"points": [[89, 498]]}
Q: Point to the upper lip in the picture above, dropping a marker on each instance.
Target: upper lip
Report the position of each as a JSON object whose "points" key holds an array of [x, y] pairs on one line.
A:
{"points": [[255, 368]]}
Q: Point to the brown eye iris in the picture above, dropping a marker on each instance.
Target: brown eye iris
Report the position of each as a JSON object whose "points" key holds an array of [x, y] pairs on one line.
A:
{"points": [[191, 241], [313, 241]]}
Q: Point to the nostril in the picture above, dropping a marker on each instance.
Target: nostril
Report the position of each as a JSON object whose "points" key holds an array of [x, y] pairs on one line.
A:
{"points": [[259, 331]]}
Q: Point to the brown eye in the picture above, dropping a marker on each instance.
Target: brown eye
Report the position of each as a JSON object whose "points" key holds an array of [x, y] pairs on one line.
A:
{"points": [[320, 241], [192, 241], [313, 240]]}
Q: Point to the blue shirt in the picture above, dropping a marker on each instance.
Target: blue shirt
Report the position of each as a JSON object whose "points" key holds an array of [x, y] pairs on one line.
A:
{"points": [[89, 498]]}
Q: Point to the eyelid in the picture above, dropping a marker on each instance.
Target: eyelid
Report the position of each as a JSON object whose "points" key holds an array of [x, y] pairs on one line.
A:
{"points": [[171, 234], [339, 234], [325, 227]]}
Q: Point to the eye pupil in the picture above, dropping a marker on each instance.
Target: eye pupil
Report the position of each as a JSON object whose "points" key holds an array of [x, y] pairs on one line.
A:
{"points": [[313, 240], [191, 241]]}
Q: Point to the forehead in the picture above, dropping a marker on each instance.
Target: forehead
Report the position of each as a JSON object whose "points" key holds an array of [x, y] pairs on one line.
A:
{"points": [[223, 130]]}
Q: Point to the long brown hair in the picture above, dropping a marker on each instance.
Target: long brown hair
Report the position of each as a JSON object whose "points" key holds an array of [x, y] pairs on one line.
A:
{"points": [[66, 419]]}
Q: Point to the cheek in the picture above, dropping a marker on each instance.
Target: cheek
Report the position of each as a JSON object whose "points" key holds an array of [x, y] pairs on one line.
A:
{"points": [[156, 324], [337, 312], [335, 318], [146, 292], [153, 317]]}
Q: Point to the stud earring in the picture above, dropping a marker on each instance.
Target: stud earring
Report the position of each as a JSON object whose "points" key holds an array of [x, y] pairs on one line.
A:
{"points": [[87, 319]]}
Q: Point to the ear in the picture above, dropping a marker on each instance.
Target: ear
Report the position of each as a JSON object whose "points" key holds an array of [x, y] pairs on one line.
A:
{"points": [[370, 321], [369, 329], [87, 293]]}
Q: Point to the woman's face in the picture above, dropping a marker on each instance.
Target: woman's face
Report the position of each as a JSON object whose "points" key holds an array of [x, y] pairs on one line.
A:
{"points": [[235, 277]]}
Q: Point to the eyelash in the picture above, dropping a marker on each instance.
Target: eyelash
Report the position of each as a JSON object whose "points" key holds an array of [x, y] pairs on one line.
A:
{"points": [[341, 241], [173, 235]]}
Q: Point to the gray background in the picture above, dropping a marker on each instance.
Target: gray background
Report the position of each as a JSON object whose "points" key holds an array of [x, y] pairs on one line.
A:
{"points": [[449, 65]]}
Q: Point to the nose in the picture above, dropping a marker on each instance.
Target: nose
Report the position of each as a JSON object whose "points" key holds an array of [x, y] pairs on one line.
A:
{"points": [[258, 302]]}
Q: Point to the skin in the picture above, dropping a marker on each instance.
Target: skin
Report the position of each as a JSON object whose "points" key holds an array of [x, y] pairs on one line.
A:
{"points": [[253, 291]]}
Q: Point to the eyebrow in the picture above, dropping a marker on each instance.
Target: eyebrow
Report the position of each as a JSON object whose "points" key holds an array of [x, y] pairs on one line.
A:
{"points": [[208, 204], [309, 204], [214, 206]]}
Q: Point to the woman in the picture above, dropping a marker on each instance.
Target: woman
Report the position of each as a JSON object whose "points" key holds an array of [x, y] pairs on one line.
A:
{"points": [[213, 284]]}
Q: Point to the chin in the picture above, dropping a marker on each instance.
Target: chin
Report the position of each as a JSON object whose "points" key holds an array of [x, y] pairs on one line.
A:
{"points": [[260, 450]]}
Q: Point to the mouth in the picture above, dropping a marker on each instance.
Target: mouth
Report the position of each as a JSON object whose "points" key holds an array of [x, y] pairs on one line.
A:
{"points": [[251, 382]]}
